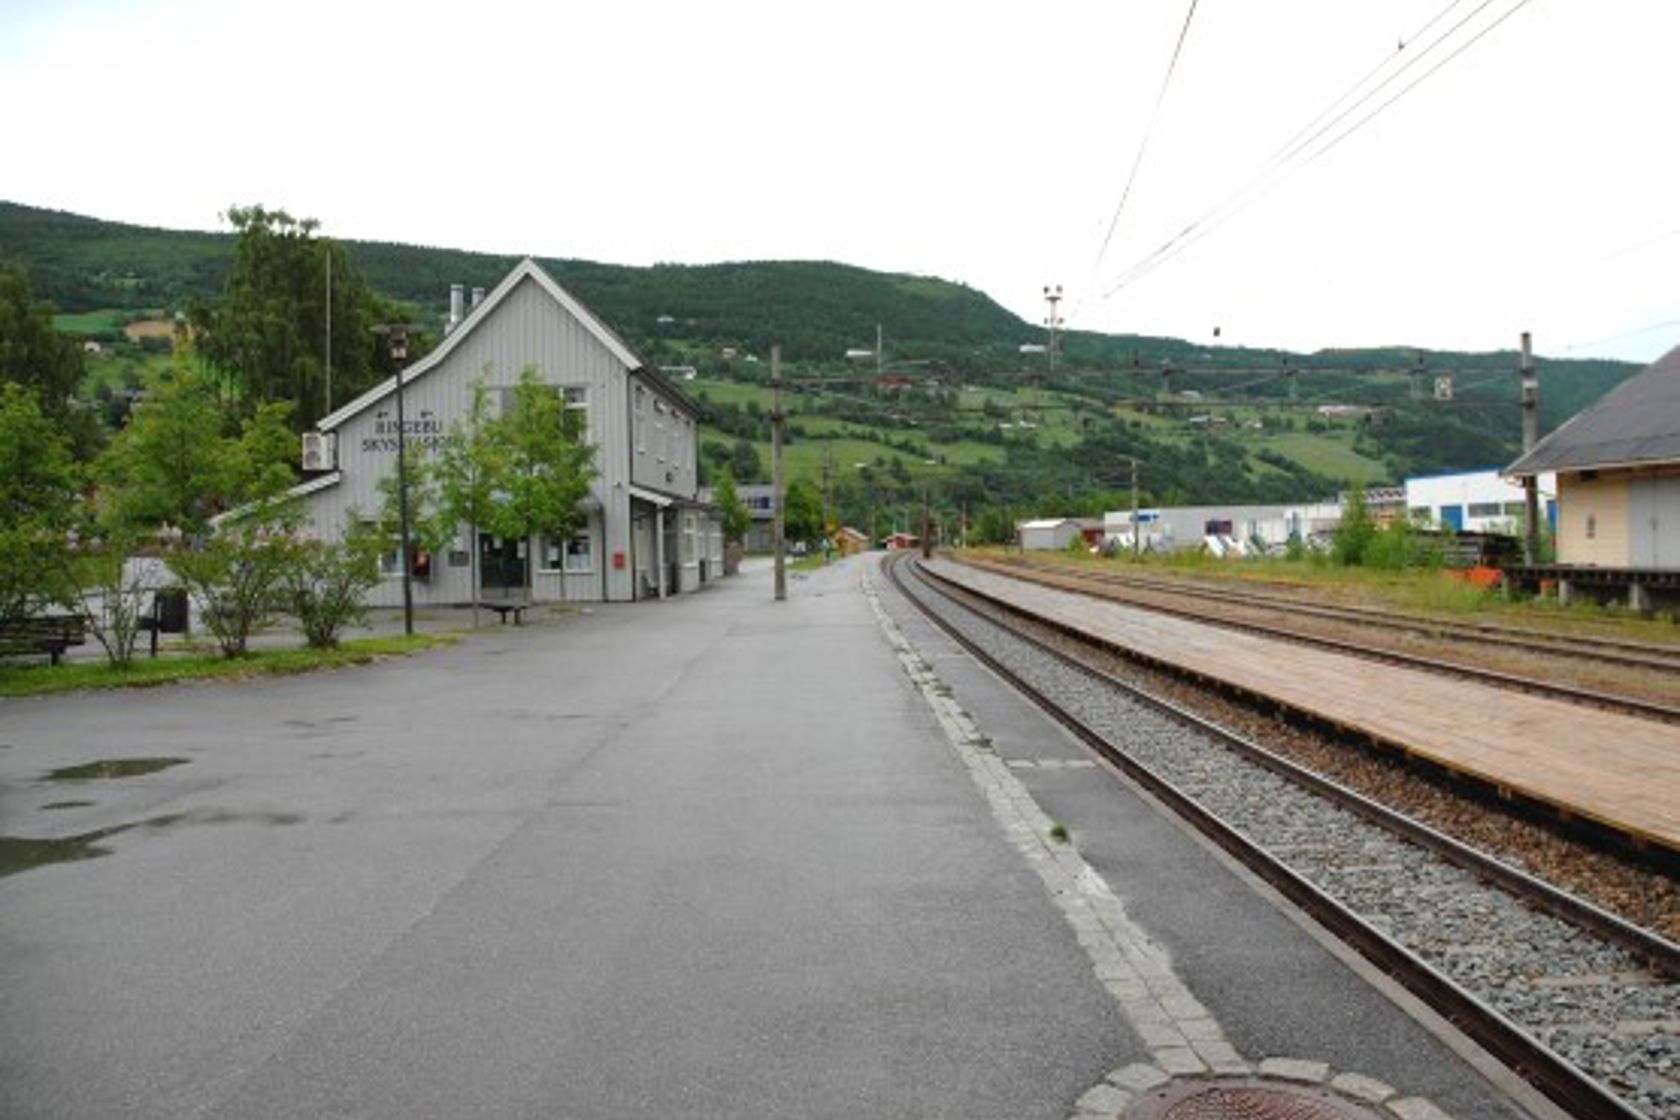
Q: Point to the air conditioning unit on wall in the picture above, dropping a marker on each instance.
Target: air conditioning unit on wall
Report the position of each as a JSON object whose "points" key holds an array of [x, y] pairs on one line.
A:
{"points": [[320, 451]]}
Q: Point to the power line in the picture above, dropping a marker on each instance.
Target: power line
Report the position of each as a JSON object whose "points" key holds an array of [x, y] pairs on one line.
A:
{"points": [[1149, 130], [1279, 166]]}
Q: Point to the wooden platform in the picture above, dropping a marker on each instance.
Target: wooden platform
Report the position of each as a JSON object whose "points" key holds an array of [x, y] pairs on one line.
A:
{"points": [[1618, 770]]}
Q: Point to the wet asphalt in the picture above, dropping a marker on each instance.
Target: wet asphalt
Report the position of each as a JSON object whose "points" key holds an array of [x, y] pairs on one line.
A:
{"points": [[705, 857]]}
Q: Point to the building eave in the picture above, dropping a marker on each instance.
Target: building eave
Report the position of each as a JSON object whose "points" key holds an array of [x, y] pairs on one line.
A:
{"points": [[526, 269]]}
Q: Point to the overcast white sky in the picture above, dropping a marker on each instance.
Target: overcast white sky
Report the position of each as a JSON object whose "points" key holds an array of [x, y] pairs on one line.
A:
{"points": [[1528, 184]]}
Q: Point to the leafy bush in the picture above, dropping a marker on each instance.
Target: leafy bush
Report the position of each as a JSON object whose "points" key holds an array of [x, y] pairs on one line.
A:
{"points": [[238, 577], [328, 580]]}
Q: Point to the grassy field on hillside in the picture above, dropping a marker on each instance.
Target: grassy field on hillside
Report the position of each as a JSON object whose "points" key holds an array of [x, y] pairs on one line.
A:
{"points": [[98, 322], [1327, 453]]}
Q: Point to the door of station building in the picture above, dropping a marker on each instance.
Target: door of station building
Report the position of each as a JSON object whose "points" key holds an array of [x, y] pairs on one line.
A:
{"points": [[501, 566], [1653, 522]]}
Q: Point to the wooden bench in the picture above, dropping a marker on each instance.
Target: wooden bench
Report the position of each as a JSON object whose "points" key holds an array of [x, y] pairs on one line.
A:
{"points": [[48, 634], [503, 609]]}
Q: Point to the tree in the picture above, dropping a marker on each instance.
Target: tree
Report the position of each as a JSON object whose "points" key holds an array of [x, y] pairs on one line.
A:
{"points": [[543, 468], [173, 465], [40, 502], [46, 364], [465, 468], [736, 518], [268, 333], [744, 462], [1355, 533], [802, 512]]}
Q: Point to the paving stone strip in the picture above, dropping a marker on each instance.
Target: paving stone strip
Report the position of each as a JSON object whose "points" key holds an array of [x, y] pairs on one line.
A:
{"points": [[1183, 1037]]}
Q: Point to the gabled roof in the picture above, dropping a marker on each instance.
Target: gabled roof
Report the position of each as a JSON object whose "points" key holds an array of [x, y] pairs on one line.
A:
{"points": [[526, 269], [1636, 422]]}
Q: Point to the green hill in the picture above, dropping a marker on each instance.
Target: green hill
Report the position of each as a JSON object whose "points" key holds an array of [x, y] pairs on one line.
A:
{"points": [[966, 410]]}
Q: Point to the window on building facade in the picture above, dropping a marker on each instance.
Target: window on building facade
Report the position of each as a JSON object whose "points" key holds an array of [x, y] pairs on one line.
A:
{"points": [[577, 402], [689, 553], [1515, 509], [1484, 509], [1420, 513], [1592, 527], [641, 420], [575, 556]]}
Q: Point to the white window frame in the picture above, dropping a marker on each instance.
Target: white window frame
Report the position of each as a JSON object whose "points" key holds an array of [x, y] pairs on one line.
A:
{"points": [[640, 422], [571, 563], [575, 398]]}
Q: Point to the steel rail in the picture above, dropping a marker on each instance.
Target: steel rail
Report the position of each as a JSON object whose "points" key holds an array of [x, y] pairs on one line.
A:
{"points": [[1615, 651], [1530, 1059], [1627, 705]]}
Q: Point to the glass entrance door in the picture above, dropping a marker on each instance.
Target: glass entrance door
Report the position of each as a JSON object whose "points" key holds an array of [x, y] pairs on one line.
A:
{"points": [[501, 566]]}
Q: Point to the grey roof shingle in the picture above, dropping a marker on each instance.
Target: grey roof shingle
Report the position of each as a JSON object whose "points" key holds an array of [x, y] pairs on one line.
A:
{"points": [[1636, 422]]}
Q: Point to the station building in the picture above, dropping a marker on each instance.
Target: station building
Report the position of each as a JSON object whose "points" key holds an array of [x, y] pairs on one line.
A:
{"points": [[1618, 487], [646, 535]]}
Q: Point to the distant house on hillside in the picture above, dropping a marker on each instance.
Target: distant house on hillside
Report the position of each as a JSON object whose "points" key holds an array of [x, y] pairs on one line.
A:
{"points": [[1618, 485]]}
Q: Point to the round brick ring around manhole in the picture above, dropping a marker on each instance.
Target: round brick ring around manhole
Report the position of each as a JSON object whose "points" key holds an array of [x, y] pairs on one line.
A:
{"points": [[1244, 1099]]}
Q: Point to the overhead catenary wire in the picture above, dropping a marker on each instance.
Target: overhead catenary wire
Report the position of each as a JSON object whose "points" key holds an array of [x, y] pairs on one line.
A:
{"points": [[1149, 131], [1299, 154]]}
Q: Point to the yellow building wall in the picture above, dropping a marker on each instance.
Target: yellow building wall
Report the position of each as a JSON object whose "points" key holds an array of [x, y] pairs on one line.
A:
{"points": [[1604, 501]]}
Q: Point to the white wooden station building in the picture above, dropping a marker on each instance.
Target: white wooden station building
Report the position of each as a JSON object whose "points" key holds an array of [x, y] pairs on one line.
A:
{"points": [[647, 534]]}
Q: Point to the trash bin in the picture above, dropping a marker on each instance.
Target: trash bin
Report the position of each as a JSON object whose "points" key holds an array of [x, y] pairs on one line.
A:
{"points": [[169, 607]]}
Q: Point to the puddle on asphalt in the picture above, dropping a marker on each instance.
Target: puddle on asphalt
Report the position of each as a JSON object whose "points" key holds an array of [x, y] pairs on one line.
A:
{"points": [[107, 768], [67, 805], [20, 853]]}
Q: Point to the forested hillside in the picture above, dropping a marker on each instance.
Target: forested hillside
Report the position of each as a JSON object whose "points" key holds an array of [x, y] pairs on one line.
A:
{"points": [[961, 407]]}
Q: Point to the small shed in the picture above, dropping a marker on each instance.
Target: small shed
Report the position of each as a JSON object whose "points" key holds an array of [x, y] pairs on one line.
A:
{"points": [[1047, 534], [849, 541], [899, 541]]}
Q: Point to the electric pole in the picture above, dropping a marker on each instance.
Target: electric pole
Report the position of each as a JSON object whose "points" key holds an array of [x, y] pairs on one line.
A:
{"points": [[828, 453], [1052, 323], [1137, 530], [927, 528], [776, 468], [1530, 436]]}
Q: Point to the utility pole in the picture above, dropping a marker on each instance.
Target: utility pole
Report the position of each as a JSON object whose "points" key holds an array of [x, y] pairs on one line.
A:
{"points": [[880, 359], [1137, 529], [927, 528], [1052, 323], [1530, 436], [776, 468], [828, 453], [396, 337], [327, 360], [1053, 296]]}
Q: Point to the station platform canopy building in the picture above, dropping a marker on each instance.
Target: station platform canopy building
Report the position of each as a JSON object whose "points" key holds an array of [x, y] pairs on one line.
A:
{"points": [[1618, 488], [646, 535]]}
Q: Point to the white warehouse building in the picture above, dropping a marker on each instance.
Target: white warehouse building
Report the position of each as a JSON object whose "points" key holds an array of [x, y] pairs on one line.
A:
{"points": [[1476, 501], [647, 534]]}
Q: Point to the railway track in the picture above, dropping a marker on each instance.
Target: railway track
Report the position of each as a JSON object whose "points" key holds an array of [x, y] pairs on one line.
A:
{"points": [[1562, 991], [1615, 651], [1125, 589]]}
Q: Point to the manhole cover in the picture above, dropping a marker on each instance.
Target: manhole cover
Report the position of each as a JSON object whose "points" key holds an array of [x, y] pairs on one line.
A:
{"points": [[1245, 1100]]}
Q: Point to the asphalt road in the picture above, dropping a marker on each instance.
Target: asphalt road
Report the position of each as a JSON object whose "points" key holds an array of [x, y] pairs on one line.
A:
{"points": [[704, 857]]}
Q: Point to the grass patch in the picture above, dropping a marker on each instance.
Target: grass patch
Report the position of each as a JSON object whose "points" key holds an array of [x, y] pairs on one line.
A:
{"points": [[43, 680]]}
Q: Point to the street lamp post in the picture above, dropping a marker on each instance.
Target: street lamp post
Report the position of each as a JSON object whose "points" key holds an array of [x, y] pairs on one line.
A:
{"points": [[396, 338]]}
